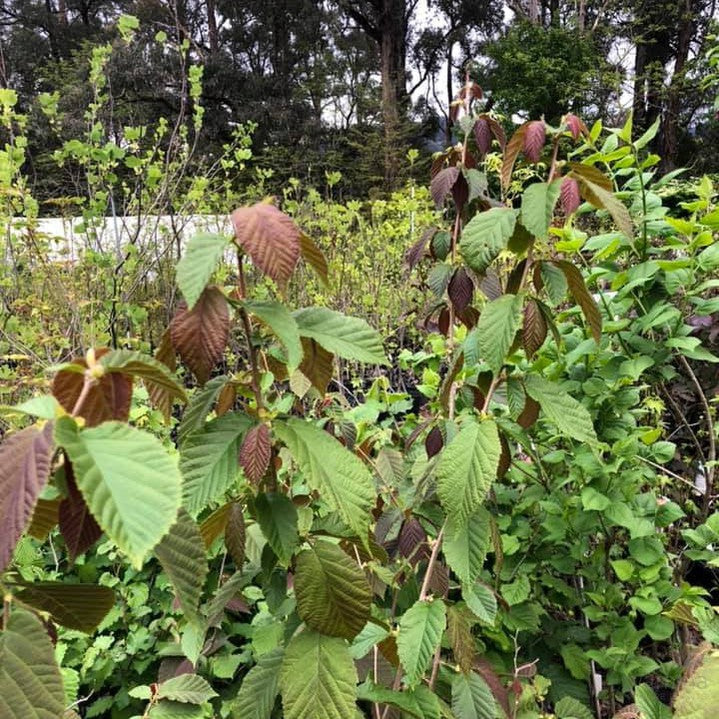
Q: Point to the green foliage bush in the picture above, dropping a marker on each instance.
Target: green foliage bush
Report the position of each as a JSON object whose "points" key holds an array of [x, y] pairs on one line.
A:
{"points": [[529, 539]]}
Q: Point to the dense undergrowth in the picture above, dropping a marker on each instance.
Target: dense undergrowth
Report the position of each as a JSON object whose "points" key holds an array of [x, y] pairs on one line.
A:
{"points": [[450, 461]]}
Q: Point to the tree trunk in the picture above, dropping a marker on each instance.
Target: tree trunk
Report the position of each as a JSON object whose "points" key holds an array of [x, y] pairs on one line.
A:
{"points": [[212, 27], [51, 26], [450, 97], [670, 143], [393, 49]]}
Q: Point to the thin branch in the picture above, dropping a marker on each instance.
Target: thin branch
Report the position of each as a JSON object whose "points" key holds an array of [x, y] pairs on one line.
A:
{"points": [[430, 565], [709, 467]]}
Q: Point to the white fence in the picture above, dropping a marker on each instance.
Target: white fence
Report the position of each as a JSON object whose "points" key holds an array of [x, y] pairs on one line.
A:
{"points": [[67, 239]]}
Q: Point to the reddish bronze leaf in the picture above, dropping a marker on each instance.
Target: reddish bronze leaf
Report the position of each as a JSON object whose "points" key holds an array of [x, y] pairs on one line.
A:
{"points": [[413, 542], [270, 238], [460, 290], [200, 336], [317, 364], [255, 452], [25, 458], [537, 280], [439, 581], [534, 140], [469, 317], [108, 398], [460, 192], [235, 534], [483, 135], [77, 526], [497, 131], [569, 195], [442, 183], [443, 321], [475, 91], [486, 671], [437, 163], [416, 252], [534, 328], [160, 396], [505, 457], [529, 414], [575, 126], [511, 152], [433, 442], [581, 295], [226, 399]]}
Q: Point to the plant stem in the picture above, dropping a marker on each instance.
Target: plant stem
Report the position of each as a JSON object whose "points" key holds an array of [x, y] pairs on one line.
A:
{"points": [[86, 386], [248, 335], [430, 565]]}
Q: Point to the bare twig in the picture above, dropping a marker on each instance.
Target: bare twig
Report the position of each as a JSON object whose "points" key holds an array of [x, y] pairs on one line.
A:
{"points": [[709, 467]]}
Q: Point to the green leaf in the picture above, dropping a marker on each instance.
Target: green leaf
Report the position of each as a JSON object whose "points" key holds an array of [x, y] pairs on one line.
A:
{"points": [[497, 326], [208, 460], [555, 283], [167, 709], [128, 480], [517, 591], [643, 141], [649, 705], [420, 702], [45, 407], [277, 517], [30, 681], [75, 606], [466, 544], [333, 596], [186, 688], [466, 469], [341, 478], [420, 632], [182, 555], [198, 262], [472, 698], [481, 601], [348, 337], [571, 708], [278, 318], [202, 402], [256, 697], [570, 417], [485, 236], [318, 678], [370, 635], [594, 500], [538, 202], [153, 372], [605, 199]]}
